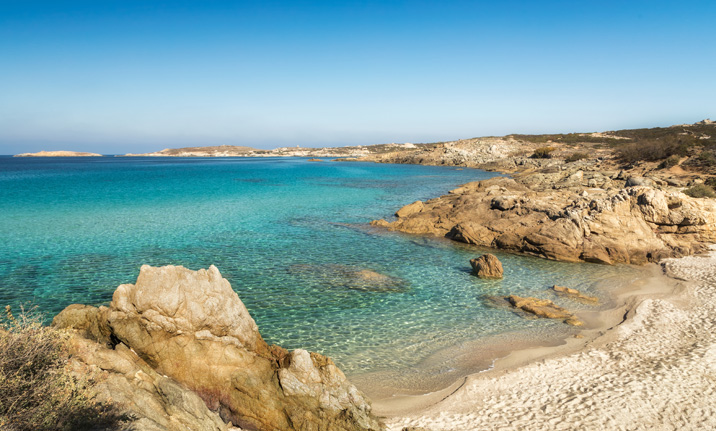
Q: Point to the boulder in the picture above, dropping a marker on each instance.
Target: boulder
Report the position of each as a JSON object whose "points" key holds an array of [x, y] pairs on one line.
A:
{"points": [[543, 308], [487, 266], [190, 327], [410, 209], [638, 181]]}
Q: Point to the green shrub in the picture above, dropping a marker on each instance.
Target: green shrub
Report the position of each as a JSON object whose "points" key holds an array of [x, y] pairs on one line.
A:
{"points": [[711, 182], [37, 390], [670, 161], [653, 150], [707, 158], [576, 156], [700, 191], [542, 153]]}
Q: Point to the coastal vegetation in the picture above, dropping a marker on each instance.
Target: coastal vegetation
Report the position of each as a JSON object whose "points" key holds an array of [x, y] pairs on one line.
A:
{"points": [[543, 153], [700, 191], [38, 390]]}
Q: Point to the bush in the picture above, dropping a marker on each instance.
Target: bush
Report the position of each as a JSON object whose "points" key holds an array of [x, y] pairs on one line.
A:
{"points": [[651, 151], [669, 162], [542, 153], [37, 391], [576, 156], [700, 191], [707, 158]]}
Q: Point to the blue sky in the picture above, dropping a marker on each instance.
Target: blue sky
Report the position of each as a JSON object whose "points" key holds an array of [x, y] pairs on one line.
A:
{"points": [[126, 76]]}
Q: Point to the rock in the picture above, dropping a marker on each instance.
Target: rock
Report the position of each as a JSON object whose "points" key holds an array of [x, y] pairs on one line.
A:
{"points": [[638, 181], [633, 225], [543, 308], [380, 223], [410, 209], [351, 277], [190, 328], [316, 160], [487, 266], [575, 294]]}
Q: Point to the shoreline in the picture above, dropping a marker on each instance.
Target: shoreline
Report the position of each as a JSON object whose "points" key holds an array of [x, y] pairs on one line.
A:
{"points": [[409, 393], [655, 346]]}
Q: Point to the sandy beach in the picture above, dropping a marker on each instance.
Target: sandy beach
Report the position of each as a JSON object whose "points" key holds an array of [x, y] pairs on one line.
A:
{"points": [[654, 368]]}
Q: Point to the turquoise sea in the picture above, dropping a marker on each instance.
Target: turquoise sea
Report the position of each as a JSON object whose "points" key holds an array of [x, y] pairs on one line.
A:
{"points": [[291, 236]]}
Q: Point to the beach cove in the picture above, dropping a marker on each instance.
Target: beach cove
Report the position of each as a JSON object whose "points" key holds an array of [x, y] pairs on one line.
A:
{"points": [[75, 229], [414, 359]]}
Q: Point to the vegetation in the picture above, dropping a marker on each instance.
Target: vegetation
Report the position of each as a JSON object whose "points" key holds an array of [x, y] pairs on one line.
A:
{"points": [[707, 158], [701, 191], [542, 153], [575, 157], [565, 138], [37, 390], [652, 150], [670, 161]]}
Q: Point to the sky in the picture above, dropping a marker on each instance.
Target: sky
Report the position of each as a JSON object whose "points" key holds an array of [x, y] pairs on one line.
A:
{"points": [[136, 76]]}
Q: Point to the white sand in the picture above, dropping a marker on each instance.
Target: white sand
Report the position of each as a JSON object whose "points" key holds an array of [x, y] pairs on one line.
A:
{"points": [[655, 371]]}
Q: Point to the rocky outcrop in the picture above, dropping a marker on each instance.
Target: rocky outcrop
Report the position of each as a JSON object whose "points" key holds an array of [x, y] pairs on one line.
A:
{"points": [[58, 154], [543, 308], [487, 266], [550, 217], [176, 336]]}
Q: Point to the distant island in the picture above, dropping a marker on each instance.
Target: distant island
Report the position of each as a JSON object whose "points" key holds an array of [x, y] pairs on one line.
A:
{"points": [[58, 154]]}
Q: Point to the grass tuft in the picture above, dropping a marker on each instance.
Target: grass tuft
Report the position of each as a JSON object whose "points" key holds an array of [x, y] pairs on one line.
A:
{"points": [[37, 390]]}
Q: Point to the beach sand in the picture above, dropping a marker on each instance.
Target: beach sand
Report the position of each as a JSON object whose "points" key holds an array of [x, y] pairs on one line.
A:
{"points": [[652, 367]]}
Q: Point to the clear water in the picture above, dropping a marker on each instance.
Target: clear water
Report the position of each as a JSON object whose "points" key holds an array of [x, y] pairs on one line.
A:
{"points": [[290, 235]]}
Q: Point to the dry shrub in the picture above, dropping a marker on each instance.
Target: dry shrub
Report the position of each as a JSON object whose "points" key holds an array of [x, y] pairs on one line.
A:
{"points": [[37, 390], [542, 153], [575, 157], [653, 150], [700, 191]]}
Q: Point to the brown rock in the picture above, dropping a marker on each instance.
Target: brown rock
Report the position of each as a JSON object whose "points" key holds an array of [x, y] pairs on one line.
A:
{"points": [[316, 160], [543, 308], [380, 223], [410, 209], [192, 328], [487, 266], [575, 294], [633, 225]]}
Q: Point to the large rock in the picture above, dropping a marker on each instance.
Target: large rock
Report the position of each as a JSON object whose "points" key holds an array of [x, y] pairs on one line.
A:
{"points": [[533, 215], [543, 308], [191, 328], [487, 266]]}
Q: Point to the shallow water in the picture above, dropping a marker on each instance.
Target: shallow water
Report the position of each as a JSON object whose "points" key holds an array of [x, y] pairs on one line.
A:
{"points": [[290, 235]]}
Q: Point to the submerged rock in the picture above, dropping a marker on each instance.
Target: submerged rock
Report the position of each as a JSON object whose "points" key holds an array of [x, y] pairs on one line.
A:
{"points": [[575, 294], [487, 266], [543, 308], [177, 336], [350, 277]]}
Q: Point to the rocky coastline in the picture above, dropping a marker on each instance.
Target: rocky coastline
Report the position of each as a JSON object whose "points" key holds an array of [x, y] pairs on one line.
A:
{"points": [[590, 208]]}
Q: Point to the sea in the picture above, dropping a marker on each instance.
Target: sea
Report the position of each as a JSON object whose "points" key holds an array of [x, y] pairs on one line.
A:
{"points": [[291, 236]]}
